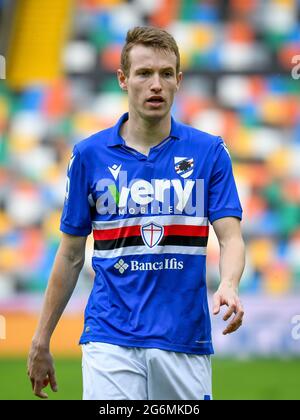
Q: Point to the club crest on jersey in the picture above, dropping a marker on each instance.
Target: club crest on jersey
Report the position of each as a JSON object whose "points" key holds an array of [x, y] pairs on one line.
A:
{"points": [[184, 166], [152, 234]]}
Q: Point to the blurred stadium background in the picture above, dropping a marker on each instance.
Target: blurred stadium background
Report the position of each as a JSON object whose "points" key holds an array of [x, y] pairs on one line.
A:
{"points": [[242, 81]]}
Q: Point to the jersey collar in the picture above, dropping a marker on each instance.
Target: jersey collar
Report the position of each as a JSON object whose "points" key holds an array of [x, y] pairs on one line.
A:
{"points": [[115, 138]]}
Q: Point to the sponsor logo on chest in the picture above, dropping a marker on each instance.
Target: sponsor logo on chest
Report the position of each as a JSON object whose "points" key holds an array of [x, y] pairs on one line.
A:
{"points": [[155, 196]]}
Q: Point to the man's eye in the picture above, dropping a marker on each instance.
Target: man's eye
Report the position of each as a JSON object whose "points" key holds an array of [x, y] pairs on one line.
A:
{"points": [[168, 74], [144, 73]]}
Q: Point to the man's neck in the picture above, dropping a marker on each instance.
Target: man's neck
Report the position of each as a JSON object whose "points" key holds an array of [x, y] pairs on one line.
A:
{"points": [[141, 134]]}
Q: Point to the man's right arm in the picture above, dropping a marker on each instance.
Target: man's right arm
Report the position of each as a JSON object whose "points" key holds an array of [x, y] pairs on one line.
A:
{"points": [[68, 263]]}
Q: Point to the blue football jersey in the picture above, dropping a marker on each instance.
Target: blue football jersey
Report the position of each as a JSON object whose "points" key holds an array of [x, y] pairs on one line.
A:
{"points": [[150, 219]]}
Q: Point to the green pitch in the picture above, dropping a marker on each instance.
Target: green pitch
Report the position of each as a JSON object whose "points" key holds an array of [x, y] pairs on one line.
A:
{"points": [[232, 379]]}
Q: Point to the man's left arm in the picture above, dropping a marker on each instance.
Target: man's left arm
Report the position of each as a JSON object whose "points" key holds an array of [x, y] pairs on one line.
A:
{"points": [[232, 263]]}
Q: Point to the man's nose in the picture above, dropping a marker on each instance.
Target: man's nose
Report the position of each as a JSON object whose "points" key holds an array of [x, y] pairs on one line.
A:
{"points": [[156, 84]]}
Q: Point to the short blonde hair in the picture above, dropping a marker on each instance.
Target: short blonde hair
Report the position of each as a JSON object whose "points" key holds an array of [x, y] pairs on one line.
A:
{"points": [[148, 36]]}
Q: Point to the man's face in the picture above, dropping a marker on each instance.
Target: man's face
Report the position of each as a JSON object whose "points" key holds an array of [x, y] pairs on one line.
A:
{"points": [[152, 81]]}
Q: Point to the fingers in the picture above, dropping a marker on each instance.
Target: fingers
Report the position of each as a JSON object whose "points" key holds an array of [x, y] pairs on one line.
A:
{"points": [[38, 386], [233, 326], [52, 381], [41, 371], [232, 309], [237, 321], [216, 304]]}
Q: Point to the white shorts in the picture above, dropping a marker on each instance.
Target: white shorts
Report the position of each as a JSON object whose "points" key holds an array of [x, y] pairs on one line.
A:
{"points": [[112, 372]]}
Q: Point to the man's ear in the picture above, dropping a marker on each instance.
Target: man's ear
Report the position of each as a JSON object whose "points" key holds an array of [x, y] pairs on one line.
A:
{"points": [[179, 80], [122, 80]]}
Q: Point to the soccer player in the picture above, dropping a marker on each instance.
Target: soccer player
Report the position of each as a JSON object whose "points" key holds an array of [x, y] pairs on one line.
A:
{"points": [[148, 188]]}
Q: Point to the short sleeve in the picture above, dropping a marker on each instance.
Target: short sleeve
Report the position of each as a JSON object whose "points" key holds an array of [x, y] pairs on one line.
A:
{"points": [[223, 199], [76, 214]]}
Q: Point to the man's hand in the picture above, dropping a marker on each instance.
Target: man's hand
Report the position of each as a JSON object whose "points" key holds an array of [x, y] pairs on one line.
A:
{"points": [[68, 263], [228, 295], [41, 371]]}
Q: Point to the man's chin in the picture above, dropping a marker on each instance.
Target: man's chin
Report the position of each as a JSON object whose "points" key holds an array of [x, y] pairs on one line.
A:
{"points": [[155, 114]]}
